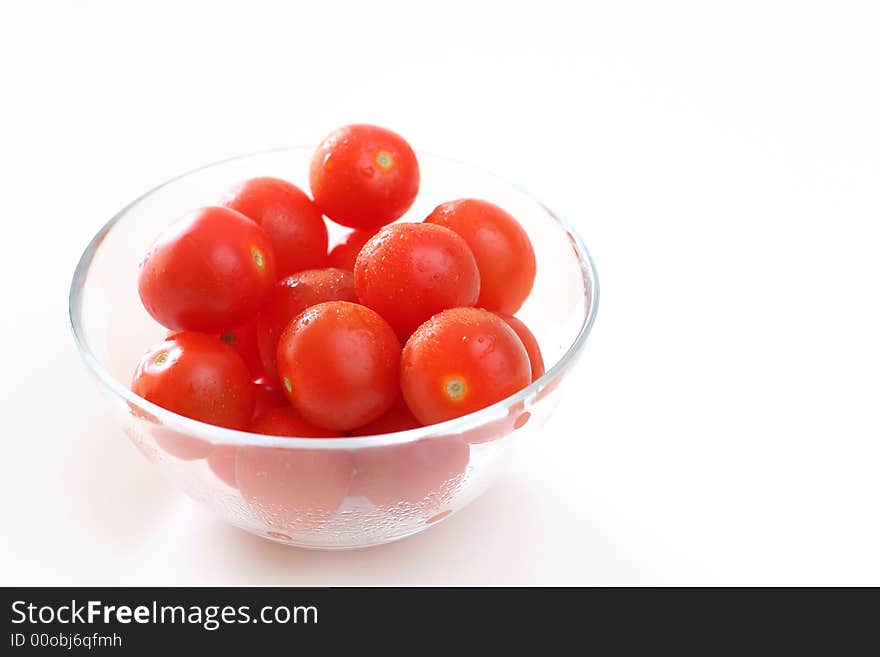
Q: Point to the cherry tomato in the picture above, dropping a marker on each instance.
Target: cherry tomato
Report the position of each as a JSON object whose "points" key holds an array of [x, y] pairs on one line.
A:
{"points": [[529, 342], [293, 223], [290, 297], [198, 376], [344, 254], [339, 364], [168, 440], [396, 418], [498, 428], [267, 395], [501, 247], [209, 271], [222, 464], [409, 272], [180, 445], [459, 361], [243, 341], [292, 489], [364, 176], [425, 472], [284, 421]]}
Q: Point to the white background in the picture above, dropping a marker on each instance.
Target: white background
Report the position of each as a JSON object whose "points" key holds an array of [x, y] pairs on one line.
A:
{"points": [[721, 160]]}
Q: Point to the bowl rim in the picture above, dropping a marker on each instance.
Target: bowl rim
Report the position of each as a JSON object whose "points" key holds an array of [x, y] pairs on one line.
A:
{"points": [[221, 435]]}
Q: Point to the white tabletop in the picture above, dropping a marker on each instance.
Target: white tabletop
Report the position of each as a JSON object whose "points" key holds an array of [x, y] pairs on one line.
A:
{"points": [[722, 162]]}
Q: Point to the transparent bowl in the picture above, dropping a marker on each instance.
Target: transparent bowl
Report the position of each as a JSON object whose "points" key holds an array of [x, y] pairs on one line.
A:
{"points": [[337, 492]]}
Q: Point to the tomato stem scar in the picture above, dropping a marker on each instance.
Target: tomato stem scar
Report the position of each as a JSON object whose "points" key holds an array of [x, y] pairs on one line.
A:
{"points": [[287, 384], [455, 389], [384, 160], [258, 257]]}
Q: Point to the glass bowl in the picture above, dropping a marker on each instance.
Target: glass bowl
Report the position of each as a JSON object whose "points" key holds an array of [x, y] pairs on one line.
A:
{"points": [[336, 492]]}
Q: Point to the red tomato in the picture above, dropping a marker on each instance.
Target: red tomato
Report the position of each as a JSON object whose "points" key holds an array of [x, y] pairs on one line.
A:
{"points": [[207, 272], [364, 176], [222, 463], [344, 254], [425, 472], [409, 272], [196, 375], [243, 341], [396, 418], [292, 489], [460, 361], [293, 223], [339, 364], [290, 297], [284, 421], [267, 395], [501, 247], [180, 445], [168, 440], [516, 418], [529, 342]]}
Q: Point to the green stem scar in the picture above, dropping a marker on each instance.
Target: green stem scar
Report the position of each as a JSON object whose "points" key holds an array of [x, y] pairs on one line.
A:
{"points": [[257, 255], [287, 384], [161, 358], [455, 389], [385, 160]]}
